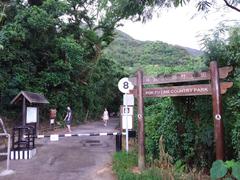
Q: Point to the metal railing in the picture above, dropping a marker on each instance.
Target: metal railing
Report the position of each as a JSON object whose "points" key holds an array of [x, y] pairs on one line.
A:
{"points": [[5, 134]]}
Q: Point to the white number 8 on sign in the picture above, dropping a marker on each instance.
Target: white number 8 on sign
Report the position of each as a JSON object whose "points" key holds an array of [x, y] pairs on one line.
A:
{"points": [[124, 85]]}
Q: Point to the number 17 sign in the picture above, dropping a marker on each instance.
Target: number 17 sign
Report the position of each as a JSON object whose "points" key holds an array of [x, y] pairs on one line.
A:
{"points": [[127, 117]]}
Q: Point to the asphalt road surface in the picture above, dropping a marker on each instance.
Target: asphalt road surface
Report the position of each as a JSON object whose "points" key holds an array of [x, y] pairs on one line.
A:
{"points": [[70, 158]]}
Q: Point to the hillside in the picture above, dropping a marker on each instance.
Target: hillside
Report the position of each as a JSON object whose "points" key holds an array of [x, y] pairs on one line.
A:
{"points": [[135, 54]]}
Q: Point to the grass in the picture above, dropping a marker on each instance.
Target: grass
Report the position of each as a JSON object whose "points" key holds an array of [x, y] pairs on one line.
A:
{"points": [[125, 165]]}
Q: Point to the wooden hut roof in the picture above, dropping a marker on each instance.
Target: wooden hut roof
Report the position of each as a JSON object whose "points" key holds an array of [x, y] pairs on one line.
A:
{"points": [[30, 97]]}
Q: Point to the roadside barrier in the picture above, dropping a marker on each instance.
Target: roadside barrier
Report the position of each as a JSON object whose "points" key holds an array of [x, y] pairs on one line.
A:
{"points": [[55, 137]]}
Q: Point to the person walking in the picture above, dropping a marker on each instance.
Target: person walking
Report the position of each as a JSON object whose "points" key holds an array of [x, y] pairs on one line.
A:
{"points": [[68, 119], [105, 117]]}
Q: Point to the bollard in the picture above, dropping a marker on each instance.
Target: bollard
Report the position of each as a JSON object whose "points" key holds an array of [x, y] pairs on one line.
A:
{"points": [[118, 142], [132, 133]]}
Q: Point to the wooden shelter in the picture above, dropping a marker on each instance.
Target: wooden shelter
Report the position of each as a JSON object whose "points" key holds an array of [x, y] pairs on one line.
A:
{"points": [[32, 100]]}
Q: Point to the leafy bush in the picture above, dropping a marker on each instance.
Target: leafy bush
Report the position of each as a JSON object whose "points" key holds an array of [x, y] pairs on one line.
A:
{"points": [[226, 52], [228, 169], [185, 138]]}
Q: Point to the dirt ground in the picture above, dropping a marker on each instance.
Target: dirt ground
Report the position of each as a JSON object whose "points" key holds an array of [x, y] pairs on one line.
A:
{"points": [[70, 158]]}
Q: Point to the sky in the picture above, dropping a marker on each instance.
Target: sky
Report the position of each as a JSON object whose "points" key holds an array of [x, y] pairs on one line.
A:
{"points": [[179, 26]]}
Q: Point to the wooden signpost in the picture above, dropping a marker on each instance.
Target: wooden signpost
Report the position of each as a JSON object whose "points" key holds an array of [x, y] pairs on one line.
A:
{"points": [[217, 111], [182, 77], [141, 137], [215, 89]]}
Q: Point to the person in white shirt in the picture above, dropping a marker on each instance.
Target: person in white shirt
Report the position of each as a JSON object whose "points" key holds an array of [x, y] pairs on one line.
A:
{"points": [[105, 117]]}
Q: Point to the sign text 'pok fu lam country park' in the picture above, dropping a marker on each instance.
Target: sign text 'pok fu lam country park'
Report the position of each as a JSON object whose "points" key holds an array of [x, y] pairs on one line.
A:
{"points": [[215, 89], [189, 90]]}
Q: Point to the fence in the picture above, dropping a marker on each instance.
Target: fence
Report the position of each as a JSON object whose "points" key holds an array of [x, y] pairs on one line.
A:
{"points": [[6, 135]]}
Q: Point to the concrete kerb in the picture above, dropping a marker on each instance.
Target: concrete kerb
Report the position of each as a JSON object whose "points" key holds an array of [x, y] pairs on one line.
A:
{"points": [[7, 172]]}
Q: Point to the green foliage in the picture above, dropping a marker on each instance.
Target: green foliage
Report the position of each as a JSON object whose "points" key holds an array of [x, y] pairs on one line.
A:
{"points": [[161, 124], [124, 162], [186, 122], [228, 169], [229, 164], [185, 140], [104, 93], [143, 10], [218, 169], [180, 167], [236, 170], [59, 56], [134, 54], [226, 52], [124, 165]]}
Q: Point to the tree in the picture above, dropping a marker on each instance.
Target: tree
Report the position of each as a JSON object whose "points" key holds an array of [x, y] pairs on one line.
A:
{"points": [[226, 52], [143, 9], [54, 48]]}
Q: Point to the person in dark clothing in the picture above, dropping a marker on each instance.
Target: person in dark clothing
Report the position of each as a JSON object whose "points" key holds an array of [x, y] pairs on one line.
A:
{"points": [[68, 119]]}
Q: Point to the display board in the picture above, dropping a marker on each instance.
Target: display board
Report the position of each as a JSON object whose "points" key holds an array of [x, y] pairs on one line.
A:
{"points": [[31, 115]]}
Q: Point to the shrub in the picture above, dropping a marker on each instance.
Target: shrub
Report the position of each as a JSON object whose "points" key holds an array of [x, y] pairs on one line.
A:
{"points": [[228, 169]]}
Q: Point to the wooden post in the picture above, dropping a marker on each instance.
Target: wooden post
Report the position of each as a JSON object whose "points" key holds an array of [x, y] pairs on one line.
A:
{"points": [[37, 125], [24, 111], [217, 111], [141, 150]]}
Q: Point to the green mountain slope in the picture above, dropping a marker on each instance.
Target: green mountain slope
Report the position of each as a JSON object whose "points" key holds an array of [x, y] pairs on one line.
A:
{"points": [[134, 54]]}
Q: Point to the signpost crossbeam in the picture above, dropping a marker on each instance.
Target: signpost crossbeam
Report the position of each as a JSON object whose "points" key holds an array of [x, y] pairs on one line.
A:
{"points": [[182, 77]]}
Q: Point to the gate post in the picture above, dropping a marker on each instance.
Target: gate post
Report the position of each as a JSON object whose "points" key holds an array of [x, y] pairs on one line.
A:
{"points": [[217, 111], [118, 142], [140, 104]]}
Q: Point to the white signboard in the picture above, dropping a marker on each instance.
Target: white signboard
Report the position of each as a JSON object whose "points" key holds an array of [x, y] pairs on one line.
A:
{"points": [[126, 119], [128, 99], [31, 115], [127, 111], [54, 137], [124, 85], [51, 121]]}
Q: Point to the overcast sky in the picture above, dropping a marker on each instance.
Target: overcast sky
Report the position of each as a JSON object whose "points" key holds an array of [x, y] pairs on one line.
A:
{"points": [[176, 26]]}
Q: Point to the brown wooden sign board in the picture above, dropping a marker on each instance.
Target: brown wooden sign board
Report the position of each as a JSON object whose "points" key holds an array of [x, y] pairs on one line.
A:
{"points": [[182, 77], [215, 89], [188, 90]]}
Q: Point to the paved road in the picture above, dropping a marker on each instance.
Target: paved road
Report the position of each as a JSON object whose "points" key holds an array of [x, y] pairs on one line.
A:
{"points": [[70, 158]]}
